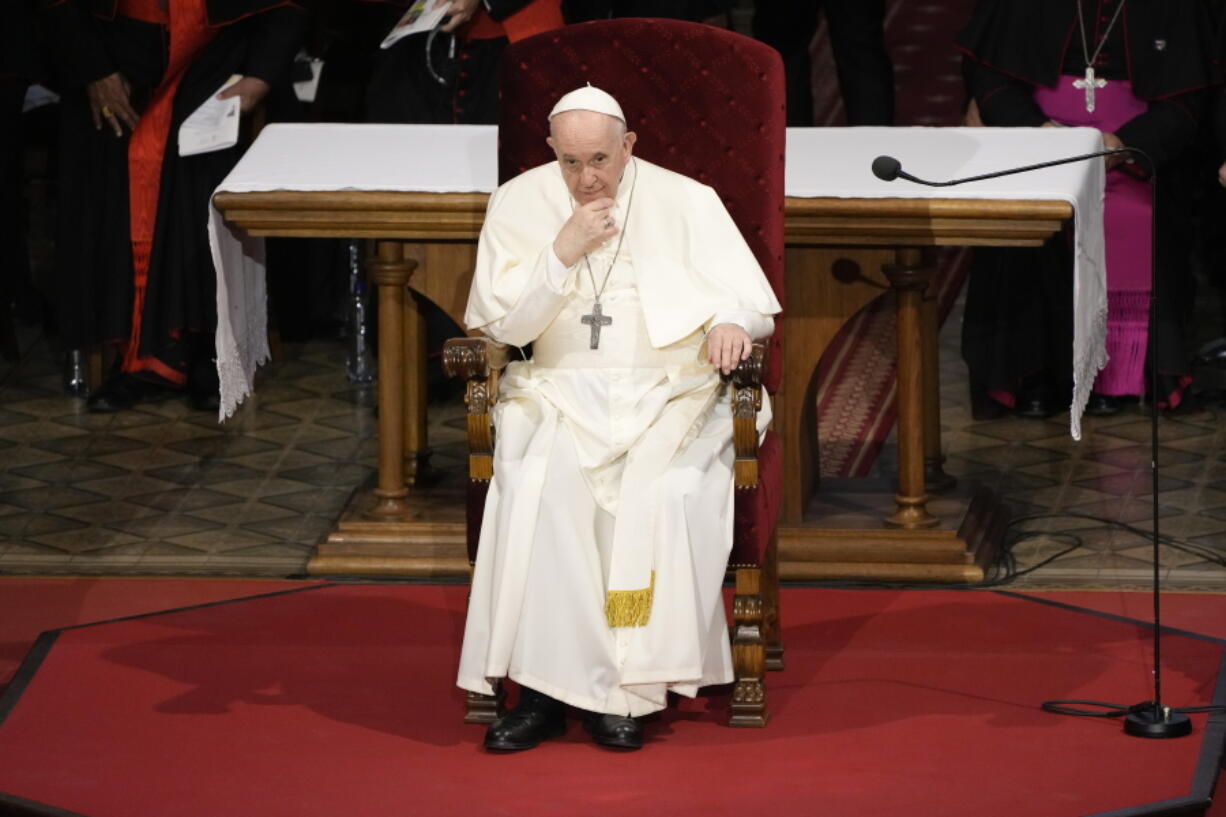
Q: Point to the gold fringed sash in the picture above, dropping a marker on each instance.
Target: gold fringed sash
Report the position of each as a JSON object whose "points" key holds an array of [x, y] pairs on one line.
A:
{"points": [[629, 608]]}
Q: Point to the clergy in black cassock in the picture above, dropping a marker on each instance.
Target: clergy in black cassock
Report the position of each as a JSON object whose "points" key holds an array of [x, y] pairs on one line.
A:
{"points": [[134, 264], [1027, 64], [20, 64], [450, 76]]}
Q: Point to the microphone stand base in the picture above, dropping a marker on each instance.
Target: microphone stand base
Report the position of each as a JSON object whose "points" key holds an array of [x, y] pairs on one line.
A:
{"points": [[1148, 720]]}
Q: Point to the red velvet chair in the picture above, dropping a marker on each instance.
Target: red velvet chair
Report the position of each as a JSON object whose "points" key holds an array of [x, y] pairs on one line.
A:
{"points": [[709, 104]]}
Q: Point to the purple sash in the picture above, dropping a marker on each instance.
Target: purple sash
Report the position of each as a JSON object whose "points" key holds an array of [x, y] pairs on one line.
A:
{"points": [[1127, 213]]}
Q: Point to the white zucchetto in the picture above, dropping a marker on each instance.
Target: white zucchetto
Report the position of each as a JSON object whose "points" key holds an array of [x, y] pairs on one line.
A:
{"points": [[589, 98]]}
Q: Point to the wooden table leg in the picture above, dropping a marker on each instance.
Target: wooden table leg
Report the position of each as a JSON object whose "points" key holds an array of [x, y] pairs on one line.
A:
{"points": [[910, 275], [935, 478], [391, 271], [416, 444]]}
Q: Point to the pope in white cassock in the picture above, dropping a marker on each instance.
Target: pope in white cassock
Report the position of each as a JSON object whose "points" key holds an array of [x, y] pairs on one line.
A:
{"points": [[608, 521]]}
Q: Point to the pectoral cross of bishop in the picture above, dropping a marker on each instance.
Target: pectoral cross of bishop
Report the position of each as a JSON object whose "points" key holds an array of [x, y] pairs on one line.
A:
{"points": [[1090, 84], [596, 320]]}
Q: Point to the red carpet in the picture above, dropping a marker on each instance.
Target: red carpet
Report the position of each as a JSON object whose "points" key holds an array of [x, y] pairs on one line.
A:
{"points": [[338, 700], [28, 606]]}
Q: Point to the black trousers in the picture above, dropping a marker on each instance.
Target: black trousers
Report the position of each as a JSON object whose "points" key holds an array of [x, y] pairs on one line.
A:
{"points": [[857, 36]]}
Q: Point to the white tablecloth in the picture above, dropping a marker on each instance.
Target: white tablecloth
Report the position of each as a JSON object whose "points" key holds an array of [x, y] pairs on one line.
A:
{"points": [[401, 158], [836, 162], [821, 162]]}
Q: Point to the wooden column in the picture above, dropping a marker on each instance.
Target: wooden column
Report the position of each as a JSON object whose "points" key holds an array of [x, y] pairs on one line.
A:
{"points": [[935, 478], [416, 447], [910, 275], [391, 271]]}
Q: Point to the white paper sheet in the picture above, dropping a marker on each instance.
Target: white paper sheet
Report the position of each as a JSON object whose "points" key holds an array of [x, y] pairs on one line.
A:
{"points": [[306, 89], [422, 16], [212, 126]]}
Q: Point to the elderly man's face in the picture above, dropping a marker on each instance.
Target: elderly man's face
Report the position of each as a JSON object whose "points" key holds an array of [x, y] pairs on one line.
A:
{"points": [[593, 150]]}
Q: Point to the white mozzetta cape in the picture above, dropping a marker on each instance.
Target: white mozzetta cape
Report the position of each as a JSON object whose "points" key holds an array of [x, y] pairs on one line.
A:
{"points": [[689, 257]]}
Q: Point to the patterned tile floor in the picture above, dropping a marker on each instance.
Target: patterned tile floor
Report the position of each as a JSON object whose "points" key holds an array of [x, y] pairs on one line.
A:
{"points": [[1042, 471], [162, 489]]}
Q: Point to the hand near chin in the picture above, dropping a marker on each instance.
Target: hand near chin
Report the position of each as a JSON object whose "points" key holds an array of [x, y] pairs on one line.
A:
{"points": [[727, 345], [586, 229]]}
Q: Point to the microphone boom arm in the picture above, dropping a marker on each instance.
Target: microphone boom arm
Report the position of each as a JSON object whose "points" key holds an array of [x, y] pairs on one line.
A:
{"points": [[893, 168]]}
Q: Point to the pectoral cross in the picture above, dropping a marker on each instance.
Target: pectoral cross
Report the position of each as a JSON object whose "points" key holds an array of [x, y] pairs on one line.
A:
{"points": [[1090, 84], [596, 320]]}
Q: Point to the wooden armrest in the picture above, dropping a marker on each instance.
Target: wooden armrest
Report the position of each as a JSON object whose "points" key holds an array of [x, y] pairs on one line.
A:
{"points": [[748, 373], [479, 361], [470, 358], [746, 403]]}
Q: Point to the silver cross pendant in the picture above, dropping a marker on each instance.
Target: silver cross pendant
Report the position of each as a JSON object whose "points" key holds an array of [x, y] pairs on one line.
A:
{"points": [[1090, 85], [596, 320]]}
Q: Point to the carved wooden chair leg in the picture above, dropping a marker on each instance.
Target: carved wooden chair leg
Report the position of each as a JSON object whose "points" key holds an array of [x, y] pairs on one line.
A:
{"points": [[772, 625], [748, 651], [485, 709]]}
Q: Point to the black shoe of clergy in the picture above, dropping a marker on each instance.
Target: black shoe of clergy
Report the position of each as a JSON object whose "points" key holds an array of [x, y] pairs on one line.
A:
{"points": [[121, 392], [1102, 405], [615, 731], [536, 718]]}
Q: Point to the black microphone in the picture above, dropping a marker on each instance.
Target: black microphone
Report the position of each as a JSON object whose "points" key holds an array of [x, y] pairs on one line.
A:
{"points": [[1149, 719], [887, 168]]}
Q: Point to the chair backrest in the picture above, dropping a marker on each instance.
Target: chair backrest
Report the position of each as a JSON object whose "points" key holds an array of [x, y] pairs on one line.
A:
{"points": [[705, 102]]}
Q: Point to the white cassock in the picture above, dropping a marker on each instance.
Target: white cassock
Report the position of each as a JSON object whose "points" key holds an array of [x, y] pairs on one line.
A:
{"points": [[608, 521]]}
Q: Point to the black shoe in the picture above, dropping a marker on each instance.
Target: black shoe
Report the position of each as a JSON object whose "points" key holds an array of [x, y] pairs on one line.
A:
{"points": [[122, 391], [1102, 405], [1036, 408], [616, 731], [536, 718]]}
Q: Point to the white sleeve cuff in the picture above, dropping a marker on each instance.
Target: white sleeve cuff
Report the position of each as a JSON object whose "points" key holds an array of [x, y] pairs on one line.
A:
{"points": [[557, 274], [757, 326]]}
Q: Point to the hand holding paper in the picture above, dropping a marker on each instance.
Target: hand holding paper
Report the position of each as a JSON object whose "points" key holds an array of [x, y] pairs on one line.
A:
{"points": [[250, 90], [459, 13], [214, 125]]}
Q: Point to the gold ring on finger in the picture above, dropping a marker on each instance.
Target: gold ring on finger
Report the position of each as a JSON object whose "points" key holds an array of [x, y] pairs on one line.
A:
{"points": [[106, 111]]}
